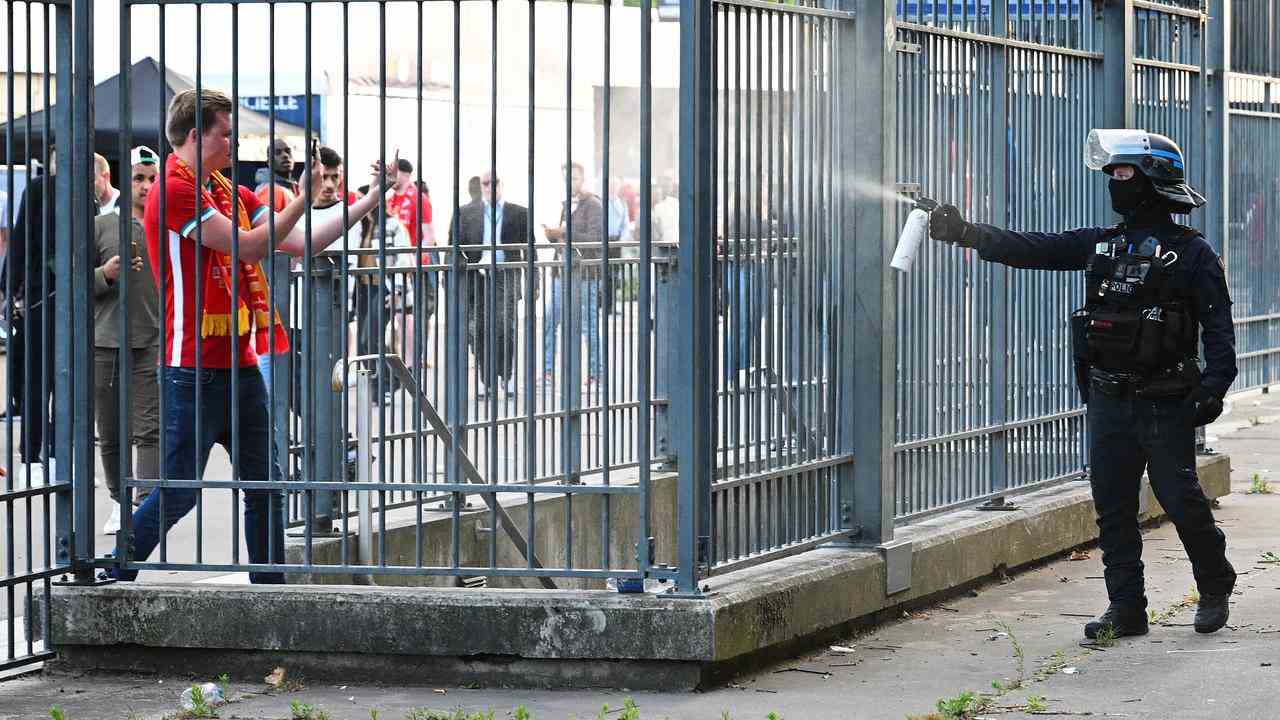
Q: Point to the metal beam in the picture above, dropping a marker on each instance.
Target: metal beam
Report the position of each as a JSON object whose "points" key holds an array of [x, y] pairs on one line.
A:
{"points": [[868, 377], [1117, 64], [691, 394]]}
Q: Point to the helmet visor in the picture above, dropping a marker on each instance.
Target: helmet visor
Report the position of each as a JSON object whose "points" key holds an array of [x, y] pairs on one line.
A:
{"points": [[1104, 145]]}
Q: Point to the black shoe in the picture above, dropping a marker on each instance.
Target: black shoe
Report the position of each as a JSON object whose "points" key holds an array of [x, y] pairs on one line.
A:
{"points": [[1212, 613], [1122, 619]]}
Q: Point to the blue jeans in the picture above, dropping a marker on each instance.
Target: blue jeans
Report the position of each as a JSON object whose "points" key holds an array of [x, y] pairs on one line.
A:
{"points": [[264, 517], [590, 307], [745, 292]]}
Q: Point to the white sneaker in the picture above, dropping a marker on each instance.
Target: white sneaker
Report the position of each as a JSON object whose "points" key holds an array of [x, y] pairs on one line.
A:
{"points": [[112, 526]]}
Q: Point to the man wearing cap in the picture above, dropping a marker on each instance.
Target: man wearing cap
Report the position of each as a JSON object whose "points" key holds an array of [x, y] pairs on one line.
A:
{"points": [[1155, 291], [142, 338]]}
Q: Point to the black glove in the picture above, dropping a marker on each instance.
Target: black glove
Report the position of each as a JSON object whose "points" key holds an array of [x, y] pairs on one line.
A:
{"points": [[948, 225], [1205, 406]]}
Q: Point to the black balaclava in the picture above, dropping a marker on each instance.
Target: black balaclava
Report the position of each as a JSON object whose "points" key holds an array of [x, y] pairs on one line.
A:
{"points": [[1137, 201]]}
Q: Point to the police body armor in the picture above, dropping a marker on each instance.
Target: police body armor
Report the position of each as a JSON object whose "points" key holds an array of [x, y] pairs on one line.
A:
{"points": [[1139, 320]]}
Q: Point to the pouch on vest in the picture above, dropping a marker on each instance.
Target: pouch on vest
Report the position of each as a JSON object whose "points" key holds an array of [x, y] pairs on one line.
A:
{"points": [[1113, 336]]}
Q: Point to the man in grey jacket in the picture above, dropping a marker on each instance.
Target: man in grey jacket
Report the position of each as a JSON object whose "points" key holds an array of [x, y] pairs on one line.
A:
{"points": [[143, 339]]}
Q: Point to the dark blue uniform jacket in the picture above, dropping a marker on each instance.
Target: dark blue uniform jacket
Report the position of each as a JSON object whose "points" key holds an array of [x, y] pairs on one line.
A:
{"points": [[1202, 269]]}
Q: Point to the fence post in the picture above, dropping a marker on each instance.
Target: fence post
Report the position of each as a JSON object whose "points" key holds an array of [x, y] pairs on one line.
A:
{"points": [[666, 344], [455, 354], [1116, 88], [329, 336], [999, 189], [866, 62], [282, 369], [1218, 121], [693, 380], [72, 379]]}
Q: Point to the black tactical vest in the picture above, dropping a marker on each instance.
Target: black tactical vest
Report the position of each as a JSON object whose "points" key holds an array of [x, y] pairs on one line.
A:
{"points": [[1139, 315]]}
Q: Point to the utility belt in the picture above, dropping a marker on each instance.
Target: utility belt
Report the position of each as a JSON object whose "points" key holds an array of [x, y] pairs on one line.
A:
{"points": [[1175, 382]]}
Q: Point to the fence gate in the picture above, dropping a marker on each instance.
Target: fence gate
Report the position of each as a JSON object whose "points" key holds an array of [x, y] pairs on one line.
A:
{"points": [[36, 508], [777, 276]]}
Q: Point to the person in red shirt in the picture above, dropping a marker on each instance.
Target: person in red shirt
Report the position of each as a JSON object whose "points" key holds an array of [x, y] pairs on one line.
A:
{"points": [[411, 204], [217, 318]]}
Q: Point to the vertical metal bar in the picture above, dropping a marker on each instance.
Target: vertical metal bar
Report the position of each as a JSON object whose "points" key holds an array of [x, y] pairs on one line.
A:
{"points": [[870, 298], [1117, 65], [645, 321], [62, 120], [491, 288], [455, 348], [692, 399], [73, 389], [1002, 312], [605, 281], [531, 277]]}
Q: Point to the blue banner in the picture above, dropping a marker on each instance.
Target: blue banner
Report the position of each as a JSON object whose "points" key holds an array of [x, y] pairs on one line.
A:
{"points": [[291, 109]]}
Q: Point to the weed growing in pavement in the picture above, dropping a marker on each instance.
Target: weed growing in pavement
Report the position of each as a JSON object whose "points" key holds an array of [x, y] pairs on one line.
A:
{"points": [[1193, 597], [299, 710], [1019, 655], [1106, 637], [522, 713], [963, 706], [1036, 703], [1259, 486], [1269, 557], [224, 684], [200, 707], [56, 713], [1057, 661], [421, 713]]}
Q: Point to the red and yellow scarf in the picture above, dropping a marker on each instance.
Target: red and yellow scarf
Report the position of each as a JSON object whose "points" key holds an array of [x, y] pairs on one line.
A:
{"points": [[253, 307]]}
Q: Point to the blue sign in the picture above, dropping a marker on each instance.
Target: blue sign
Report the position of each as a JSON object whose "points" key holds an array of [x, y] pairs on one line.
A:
{"points": [[289, 108]]}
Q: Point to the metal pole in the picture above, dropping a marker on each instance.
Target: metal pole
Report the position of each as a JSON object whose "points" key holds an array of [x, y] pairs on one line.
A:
{"points": [[1117, 64], [1000, 309], [694, 379], [364, 450], [72, 302], [1218, 134], [871, 315]]}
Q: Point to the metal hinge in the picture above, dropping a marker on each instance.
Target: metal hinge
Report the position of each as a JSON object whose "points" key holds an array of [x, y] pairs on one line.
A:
{"points": [[906, 47]]}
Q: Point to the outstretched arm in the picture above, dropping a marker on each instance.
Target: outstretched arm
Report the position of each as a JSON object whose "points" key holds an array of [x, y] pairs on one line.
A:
{"points": [[1032, 250], [324, 234]]}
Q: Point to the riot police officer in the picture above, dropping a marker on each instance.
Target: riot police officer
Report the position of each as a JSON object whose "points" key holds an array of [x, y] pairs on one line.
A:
{"points": [[1154, 290]]}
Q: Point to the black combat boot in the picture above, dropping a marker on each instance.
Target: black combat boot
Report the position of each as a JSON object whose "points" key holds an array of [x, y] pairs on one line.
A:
{"points": [[1122, 619], [1212, 613]]}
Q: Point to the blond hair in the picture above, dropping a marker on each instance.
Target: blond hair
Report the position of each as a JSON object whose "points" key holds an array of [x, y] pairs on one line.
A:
{"points": [[183, 109]]}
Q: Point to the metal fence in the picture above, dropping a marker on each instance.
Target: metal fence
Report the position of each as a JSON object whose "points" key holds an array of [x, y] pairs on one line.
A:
{"points": [[1253, 191], [985, 399], [739, 353]]}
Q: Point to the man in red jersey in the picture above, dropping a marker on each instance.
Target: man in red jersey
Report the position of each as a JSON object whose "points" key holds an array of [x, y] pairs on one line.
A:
{"points": [[217, 318]]}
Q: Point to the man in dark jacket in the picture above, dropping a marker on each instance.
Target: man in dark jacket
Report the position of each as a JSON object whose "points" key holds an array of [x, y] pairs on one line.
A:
{"points": [[29, 268], [495, 281], [581, 220]]}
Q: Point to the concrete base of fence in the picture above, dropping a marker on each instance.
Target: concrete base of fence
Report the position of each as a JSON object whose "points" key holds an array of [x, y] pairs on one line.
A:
{"points": [[572, 638], [431, 544]]}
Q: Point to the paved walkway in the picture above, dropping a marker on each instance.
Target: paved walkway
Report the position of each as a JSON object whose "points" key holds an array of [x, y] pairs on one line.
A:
{"points": [[1027, 628]]}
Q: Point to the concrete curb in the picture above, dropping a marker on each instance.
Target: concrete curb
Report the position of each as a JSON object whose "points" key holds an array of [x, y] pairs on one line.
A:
{"points": [[572, 638]]}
